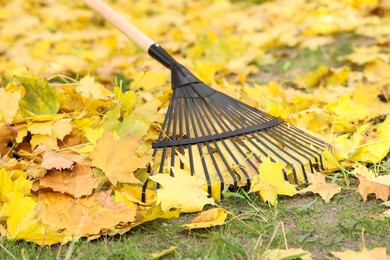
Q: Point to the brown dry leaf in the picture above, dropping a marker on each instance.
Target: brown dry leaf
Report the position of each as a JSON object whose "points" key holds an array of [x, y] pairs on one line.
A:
{"points": [[7, 135], [83, 216], [378, 253], [78, 181], [53, 160], [370, 183], [367, 187], [118, 158], [208, 218], [321, 187]]}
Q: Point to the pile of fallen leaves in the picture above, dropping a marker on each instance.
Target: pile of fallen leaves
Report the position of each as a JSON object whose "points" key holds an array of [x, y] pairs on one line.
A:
{"points": [[75, 148]]}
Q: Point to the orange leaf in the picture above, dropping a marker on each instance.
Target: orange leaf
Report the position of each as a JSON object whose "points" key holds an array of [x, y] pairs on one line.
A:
{"points": [[77, 182], [118, 158], [321, 187], [84, 216]]}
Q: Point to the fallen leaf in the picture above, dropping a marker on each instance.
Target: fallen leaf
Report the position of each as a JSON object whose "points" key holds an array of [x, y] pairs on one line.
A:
{"points": [[9, 105], [78, 181], [321, 187], [378, 253], [22, 221], [270, 182], [88, 87], [39, 98], [7, 137], [163, 253], [53, 160], [181, 191], [363, 55], [367, 187], [118, 158], [6, 185], [149, 213], [90, 215], [292, 253], [62, 128], [209, 218], [370, 183]]}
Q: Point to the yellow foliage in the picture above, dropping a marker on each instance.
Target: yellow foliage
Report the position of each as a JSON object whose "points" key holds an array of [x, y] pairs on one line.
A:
{"points": [[181, 191], [100, 103], [270, 182]]}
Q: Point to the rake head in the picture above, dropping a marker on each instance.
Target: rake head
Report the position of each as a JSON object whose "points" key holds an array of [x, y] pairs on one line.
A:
{"points": [[223, 140]]}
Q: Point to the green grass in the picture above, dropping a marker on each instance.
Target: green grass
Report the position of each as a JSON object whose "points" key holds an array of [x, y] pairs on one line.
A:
{"points": [[304, 221]]}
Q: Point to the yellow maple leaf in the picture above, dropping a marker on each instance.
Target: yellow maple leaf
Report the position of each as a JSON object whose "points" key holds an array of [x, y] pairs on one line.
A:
{"points": [[321, 187], [22, 185], [6, 185], [208, 218], [9, 104], [377, 71], [93, 134], [182, 191], [78, 181], [270, 182], [118, 158], [348, 110], [378, 253], [313, 78], [88, 87], [22, 221], [62, 128], [375, 150], [291, 253], [48, 140], [43, 128], [151, 80], [133, 193], [20, 212], [89, 215], [149, 213], [42, 235]]}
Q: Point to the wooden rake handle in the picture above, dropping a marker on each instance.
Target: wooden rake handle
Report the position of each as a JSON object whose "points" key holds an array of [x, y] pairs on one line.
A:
{"points": [[121, 23]]}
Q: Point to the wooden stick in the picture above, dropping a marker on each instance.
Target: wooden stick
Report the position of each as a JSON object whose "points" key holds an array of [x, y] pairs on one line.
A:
{"points": [[120, 23]]}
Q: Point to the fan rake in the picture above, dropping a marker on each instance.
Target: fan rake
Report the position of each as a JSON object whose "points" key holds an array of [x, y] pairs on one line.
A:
{"points": [[214, 136]]}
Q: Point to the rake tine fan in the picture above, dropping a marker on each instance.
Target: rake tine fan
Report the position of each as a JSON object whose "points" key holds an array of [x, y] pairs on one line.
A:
{"points": [[218, 138]]}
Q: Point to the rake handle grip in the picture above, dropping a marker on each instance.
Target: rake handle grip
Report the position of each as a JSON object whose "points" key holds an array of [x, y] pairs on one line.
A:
{"points": [[129, 30]]}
